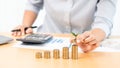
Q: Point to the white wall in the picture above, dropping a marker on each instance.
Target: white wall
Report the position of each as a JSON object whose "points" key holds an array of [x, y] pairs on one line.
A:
{"points": [[116, 23], [11, 13]]}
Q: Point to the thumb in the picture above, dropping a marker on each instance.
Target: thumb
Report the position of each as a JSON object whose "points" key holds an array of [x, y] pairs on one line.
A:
{"points": [[29, 31]]}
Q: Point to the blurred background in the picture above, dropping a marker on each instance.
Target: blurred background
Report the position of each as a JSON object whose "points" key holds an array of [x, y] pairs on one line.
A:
{"points": [[11, 15]]}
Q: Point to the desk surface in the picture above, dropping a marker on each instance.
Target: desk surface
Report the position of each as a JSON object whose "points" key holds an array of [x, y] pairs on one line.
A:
{"points": [[11, 57]]}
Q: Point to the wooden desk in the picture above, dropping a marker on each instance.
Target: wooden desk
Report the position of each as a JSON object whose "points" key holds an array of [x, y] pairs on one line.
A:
{"points": [[11, 57]]}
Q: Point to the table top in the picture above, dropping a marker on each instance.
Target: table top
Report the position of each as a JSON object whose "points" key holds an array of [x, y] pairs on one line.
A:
{"points": [[11, 57]]}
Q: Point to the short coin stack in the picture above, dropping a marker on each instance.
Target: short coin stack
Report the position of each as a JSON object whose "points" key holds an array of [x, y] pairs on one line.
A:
{"points": [[38, 55], [46, 54]]}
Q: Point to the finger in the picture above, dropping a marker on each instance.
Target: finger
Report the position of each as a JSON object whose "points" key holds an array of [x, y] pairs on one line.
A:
{"points": [[29, 31], [19, 33], [83, 36], [87, 47], [92, 42], [15, 33], [82, 46], [92, 48], [80, 38], [86, 33], [89, 39], [78, 41], [22, 30]]}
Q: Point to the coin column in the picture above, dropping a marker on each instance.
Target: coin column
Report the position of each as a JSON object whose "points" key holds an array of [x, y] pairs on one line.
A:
{"points": [[56, 54], [38, 55], [74, 54], [46, 54], [65, 53]]}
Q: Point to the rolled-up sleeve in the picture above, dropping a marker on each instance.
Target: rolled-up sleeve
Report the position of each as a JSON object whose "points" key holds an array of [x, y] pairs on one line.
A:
{"points": [[104, 15], [34, 5]]}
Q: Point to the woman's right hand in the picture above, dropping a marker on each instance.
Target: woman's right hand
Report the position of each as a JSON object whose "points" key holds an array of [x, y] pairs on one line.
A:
{"points": [[22, 31]]}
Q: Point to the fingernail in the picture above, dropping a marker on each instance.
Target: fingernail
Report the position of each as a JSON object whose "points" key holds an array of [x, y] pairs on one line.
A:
{"points": [[78, 41]]}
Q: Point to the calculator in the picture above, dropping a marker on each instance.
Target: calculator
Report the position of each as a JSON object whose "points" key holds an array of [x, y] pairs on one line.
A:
{"points": [[36, 38]]}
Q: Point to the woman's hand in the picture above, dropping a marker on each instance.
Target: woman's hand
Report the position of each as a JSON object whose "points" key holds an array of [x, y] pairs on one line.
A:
{"points": [[22, 31], [89, 40]]}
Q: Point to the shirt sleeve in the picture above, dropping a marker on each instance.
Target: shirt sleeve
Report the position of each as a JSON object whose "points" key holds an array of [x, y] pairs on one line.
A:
{"points": [[104, 15], [34, 5]]}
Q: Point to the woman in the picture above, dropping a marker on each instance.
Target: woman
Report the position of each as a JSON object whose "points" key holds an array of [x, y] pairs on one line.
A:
{"points": [[91, 18]]}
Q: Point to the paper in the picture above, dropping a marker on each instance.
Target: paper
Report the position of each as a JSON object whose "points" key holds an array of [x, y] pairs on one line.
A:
{"points": [[58, 43], [112, 43], [55, 43]]}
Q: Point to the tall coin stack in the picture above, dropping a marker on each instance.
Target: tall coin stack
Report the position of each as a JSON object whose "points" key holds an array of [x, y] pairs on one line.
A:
{"points": [[74, 54], [65, 53], [56, 54]]}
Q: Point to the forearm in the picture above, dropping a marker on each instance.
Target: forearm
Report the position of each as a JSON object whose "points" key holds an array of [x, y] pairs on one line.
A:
{"points": [[32, 9], [29, 18], [104, 16], [99, 34]]}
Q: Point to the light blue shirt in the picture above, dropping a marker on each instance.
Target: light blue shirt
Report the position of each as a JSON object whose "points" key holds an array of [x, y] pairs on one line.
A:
{"points": [[66, 16]]}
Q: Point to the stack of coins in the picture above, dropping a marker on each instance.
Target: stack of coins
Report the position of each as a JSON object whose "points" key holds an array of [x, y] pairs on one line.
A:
{"points": [[65, 54], [46, 54], [74, 54], [38, 55], [56, 54]]}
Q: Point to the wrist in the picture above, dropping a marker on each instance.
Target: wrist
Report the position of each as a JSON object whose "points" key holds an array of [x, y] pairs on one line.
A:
{"points": [[99, 34]]}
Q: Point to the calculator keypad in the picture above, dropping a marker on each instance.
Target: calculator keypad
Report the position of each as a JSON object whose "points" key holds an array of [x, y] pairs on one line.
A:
{"points": [[36, 38]]}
